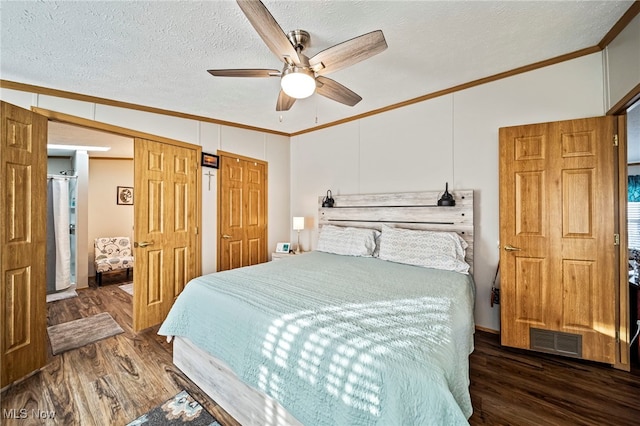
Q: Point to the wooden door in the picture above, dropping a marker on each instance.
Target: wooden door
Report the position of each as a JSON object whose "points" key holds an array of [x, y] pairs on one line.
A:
{"points": [[242, 212], [557, 230], [23, 158], [166, 220]]}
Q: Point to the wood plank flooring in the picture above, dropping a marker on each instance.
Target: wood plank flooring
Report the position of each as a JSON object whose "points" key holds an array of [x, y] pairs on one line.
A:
{"points": [[517, 387], [110, 382], [114, 381]]}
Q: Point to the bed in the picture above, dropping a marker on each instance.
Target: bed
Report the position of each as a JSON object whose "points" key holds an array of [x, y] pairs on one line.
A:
{"points": [[326, 338]]}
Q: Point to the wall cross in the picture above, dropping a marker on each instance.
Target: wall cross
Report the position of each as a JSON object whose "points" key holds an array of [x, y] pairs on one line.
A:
{"points": [[209, 175]]}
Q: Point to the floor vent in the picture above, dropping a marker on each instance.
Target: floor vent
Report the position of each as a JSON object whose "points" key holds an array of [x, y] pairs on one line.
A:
{"points": [[556, 342]]}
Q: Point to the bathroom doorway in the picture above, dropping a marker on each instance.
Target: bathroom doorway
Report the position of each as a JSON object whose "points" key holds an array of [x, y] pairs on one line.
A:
{"points": [[92, 163]]}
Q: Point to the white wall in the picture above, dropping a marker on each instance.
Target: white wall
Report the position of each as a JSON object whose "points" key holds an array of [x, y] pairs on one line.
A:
{"points": [[81, 166], [273, 149], [452, 138], [623, 63], [55, 165]]}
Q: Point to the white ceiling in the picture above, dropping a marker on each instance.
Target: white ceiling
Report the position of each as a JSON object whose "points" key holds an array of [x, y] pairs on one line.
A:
{"points": [[66, 134], [156, 53]]}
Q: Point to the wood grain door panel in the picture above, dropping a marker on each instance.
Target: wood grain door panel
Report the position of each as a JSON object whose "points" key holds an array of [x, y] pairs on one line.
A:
{"points": [[242, 215], [166, 219], [232, 213], [256, 223], [557, 194], [23, 347]]}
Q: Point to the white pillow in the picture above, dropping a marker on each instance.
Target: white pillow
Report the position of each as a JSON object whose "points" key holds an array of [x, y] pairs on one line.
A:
{"points": [[430, 249], [347, 241]]}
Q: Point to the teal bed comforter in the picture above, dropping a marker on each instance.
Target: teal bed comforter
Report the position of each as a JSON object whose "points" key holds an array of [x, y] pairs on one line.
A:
{"points": [[339, 340]]}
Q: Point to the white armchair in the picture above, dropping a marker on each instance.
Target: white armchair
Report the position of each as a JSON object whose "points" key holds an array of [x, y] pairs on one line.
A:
{"points": [[112, 254]]}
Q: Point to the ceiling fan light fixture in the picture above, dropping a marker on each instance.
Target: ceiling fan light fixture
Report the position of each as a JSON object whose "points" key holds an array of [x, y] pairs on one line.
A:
{"points": [[303, 76], [298, 82]]}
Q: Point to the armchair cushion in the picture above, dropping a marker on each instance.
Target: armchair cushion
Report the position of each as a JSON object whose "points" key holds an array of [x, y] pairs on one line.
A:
{"points": [[113, 253]]}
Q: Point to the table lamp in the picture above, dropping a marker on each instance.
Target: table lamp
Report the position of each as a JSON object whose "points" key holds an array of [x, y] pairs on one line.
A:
{"points": [[298, 225]]}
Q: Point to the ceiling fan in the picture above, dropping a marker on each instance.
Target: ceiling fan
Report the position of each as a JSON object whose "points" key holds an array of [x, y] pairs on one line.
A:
{"points": [[302, 76]]}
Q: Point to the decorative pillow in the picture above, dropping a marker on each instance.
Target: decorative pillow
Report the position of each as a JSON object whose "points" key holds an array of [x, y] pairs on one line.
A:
{"points": [[347, 241], [430, 249]]}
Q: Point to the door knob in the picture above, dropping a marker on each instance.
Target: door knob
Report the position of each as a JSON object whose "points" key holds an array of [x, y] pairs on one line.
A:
{"points": [[509, 247], [226, 237], [143, 244]]}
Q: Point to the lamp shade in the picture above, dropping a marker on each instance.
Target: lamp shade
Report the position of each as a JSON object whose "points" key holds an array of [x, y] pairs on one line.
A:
{"points": [[298, 223], [298, 82]]}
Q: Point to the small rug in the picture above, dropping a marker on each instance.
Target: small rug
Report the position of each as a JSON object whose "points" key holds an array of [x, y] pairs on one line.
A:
{"points": [[81, 332], [128, 288], [64, 294], [182, 409]]}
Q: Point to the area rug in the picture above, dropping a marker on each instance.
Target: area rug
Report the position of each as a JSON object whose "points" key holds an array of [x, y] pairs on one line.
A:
{"points": [[81, 332], [60, 295], [127, 288], [182, 409]]}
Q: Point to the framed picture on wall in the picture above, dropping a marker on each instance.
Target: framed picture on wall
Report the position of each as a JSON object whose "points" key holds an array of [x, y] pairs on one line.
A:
{"points": [[125, 195], [210, 160]]}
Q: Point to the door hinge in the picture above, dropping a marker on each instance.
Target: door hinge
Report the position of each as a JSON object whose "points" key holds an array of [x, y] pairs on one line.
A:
{"points": [[616, 239], [617, 336], [197, 230], [615, 140]]}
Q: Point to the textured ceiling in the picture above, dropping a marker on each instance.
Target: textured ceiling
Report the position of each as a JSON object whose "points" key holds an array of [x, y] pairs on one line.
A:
{"points": [[156, 53]]}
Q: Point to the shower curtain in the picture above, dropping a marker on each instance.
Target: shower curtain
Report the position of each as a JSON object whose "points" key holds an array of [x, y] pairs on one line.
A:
{"points": [[58, 244]]}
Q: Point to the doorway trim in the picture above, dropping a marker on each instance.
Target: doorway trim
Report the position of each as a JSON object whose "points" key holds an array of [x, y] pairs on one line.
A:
{"points": [[619, 110], [123, 131], [105, 127], [623, 348]]}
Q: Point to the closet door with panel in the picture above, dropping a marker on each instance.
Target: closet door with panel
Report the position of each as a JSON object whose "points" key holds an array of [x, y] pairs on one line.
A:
{"points": [[23, 236], [242, 211], [558, 237]]}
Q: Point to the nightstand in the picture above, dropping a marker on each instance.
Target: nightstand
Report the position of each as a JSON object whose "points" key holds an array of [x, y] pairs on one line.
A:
{"points": [[278, 256]]}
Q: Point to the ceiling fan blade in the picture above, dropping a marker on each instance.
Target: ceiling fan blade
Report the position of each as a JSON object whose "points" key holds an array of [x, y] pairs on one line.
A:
{"points": [[333, 90], [245, 73], [269, 30], [285, 102], [348, 53]]}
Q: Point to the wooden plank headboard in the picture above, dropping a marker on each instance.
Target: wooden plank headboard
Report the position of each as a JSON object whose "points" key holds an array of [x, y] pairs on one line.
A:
{"points": [[411, 210]]}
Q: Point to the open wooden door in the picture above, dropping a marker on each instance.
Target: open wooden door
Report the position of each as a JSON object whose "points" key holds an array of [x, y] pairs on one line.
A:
{"points": [[558, 192], [166, 227], [23, 158], [242, 212]]}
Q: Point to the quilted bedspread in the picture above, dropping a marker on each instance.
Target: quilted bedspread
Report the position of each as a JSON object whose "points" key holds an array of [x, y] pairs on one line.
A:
{"points": [[339, 340]]}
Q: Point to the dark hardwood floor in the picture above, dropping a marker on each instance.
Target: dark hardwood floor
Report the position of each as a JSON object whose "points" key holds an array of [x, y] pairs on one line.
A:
{"points": [[517, 387], [110, 382], [114, 381]]}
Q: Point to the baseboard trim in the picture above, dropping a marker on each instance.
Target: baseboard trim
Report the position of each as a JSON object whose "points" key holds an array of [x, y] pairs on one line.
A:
{"points": [[487, 330]]}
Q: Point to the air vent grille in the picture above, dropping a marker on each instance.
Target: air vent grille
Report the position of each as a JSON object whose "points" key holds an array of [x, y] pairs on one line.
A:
{"points": [[556, 342]]}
